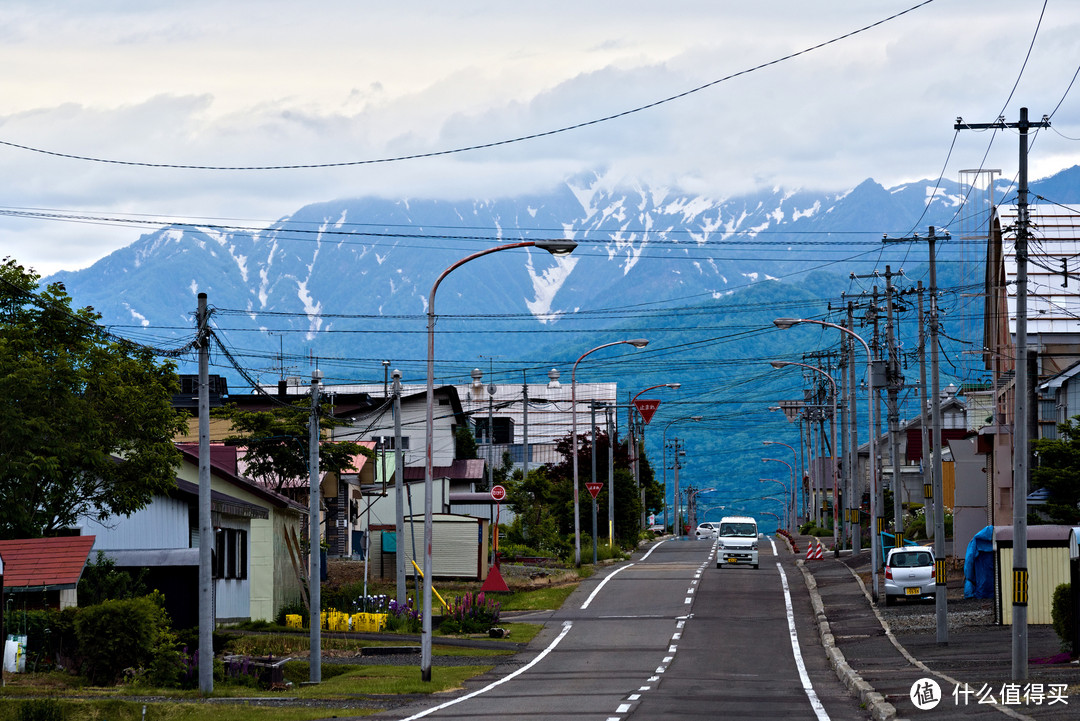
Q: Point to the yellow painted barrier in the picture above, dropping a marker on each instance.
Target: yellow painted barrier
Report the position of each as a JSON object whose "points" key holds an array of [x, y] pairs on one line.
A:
{"points": [[294, 620], [445, 607]]}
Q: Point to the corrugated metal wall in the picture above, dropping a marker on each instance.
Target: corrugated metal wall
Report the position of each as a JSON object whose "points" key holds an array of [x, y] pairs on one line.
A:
{"points": [[1047, 569], [458, 546]]}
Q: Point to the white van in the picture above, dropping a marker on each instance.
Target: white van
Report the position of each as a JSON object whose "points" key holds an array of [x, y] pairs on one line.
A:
{"points": [[736, 541]]}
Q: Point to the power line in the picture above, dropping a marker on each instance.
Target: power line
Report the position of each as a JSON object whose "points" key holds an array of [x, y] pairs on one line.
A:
{"points": [[479, 146]]}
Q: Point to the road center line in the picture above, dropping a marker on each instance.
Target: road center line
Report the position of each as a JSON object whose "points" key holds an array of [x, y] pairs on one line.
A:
{"points": [[815, 702], [539, 657]]}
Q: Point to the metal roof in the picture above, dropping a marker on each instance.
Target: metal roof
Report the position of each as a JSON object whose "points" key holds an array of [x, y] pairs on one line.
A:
{"points": [[1053, 267], [44, 563]]}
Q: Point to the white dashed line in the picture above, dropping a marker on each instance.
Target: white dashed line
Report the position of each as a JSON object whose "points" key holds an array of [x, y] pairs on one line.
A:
{"points": [[623, 708], [633, 697]]}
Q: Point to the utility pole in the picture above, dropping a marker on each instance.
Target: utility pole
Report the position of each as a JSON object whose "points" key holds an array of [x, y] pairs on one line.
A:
{"points": [[940, 580], [895, 381], [314, 539], [592, 455], [1020, 416], [924, 425], [855, 484], [609, 409], [206, 527], [399, 492], [678, 517], [524, 426]]}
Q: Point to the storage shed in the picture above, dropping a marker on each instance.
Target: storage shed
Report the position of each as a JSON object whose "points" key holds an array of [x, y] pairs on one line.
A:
{"points": [[459, 545], [1048, 567]]}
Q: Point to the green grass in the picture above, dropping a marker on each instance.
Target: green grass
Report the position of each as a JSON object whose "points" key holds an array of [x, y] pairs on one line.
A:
{"points": [[547, 598], [347, 680]]}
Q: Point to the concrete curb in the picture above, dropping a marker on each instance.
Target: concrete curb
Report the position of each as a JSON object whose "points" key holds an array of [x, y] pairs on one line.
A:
{"points": [[875, 703]]}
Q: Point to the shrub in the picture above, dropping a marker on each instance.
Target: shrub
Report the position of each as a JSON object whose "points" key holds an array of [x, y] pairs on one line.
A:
{"points": [[1061, 614], [293, 607], [470, 614], [127, 634]]}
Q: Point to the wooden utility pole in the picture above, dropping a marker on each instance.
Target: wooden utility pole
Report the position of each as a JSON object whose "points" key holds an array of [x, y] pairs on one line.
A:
{"points": [[1020, 416]]}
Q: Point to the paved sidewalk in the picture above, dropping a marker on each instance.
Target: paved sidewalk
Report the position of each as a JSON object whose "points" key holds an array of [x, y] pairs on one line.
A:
{"points": [[881, 653]]}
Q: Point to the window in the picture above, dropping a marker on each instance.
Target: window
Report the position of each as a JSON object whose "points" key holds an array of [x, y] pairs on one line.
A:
{"points": [[388, 442], [230, 553]]}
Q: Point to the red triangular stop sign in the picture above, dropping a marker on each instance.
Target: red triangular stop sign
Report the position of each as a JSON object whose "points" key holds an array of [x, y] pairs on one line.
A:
{"points": [[594, 488], [646, 407]]}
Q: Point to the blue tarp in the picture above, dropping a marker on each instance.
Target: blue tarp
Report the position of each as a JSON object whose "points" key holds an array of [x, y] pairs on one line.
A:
{"points": [[979, 565]]}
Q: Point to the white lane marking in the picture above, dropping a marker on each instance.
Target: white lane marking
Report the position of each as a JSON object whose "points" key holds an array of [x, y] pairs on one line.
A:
{"points": [[668, 659], [602, 583], [680, 624], [676, 636], [653, 679], [649, 553], [539, 657], [672, 649], [687, 600], [660, 669], [633, 697], [690, 590], [815, 702], [623, 708], [645, 688]]}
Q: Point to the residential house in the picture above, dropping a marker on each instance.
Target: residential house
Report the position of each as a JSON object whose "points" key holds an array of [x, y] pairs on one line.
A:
{"points": [[1053, 337], [273, 569]]}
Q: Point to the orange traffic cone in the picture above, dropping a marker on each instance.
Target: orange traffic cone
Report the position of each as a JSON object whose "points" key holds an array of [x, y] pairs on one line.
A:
{"points": [[820, 553], [810, 551]]}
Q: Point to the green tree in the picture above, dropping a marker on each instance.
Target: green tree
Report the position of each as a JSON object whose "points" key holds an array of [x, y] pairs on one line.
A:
{"points": [[277, 441], [73, 401], [1059, 472]]}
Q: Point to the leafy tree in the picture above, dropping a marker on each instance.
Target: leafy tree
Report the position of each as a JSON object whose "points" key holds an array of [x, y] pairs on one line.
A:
{"points": [[1059, 472], [464, 443], [72, 401], [102, 581], [545, 501], [277, 443]]}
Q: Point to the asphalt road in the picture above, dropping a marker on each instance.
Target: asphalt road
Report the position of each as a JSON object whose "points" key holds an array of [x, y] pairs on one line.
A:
{"points": [[668, 635]]}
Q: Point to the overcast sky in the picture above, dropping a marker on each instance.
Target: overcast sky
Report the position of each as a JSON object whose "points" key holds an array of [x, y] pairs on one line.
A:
{"points": [[257, 83]]}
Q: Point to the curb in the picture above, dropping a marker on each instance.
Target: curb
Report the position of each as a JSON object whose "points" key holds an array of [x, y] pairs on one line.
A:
{"points": [[875, 703]]}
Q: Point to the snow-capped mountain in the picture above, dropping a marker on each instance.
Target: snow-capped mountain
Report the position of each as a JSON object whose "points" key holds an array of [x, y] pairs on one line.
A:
{"points": [[365, 267]]}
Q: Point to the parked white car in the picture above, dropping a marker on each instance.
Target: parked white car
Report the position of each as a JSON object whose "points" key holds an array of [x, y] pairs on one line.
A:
{"points": [[909, 573], [706, 531]]}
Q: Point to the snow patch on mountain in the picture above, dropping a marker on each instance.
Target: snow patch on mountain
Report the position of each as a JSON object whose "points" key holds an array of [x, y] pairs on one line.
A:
{"points": [[546, 285], [797, 214]]}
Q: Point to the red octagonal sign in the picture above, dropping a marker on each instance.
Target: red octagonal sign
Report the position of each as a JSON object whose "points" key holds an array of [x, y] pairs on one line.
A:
{"points": [[498, 493]]}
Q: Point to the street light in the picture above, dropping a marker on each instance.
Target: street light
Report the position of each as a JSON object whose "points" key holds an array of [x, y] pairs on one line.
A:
{"points": [[637, 343], [792, 509], [794, 487], [677, 531], [787, 495], [634, 442], [556, 248], [784, 324], [832, 432]]}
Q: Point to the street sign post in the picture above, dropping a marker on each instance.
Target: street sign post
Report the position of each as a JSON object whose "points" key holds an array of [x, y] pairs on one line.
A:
{"points": [[646, 407], [494, 580]]}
